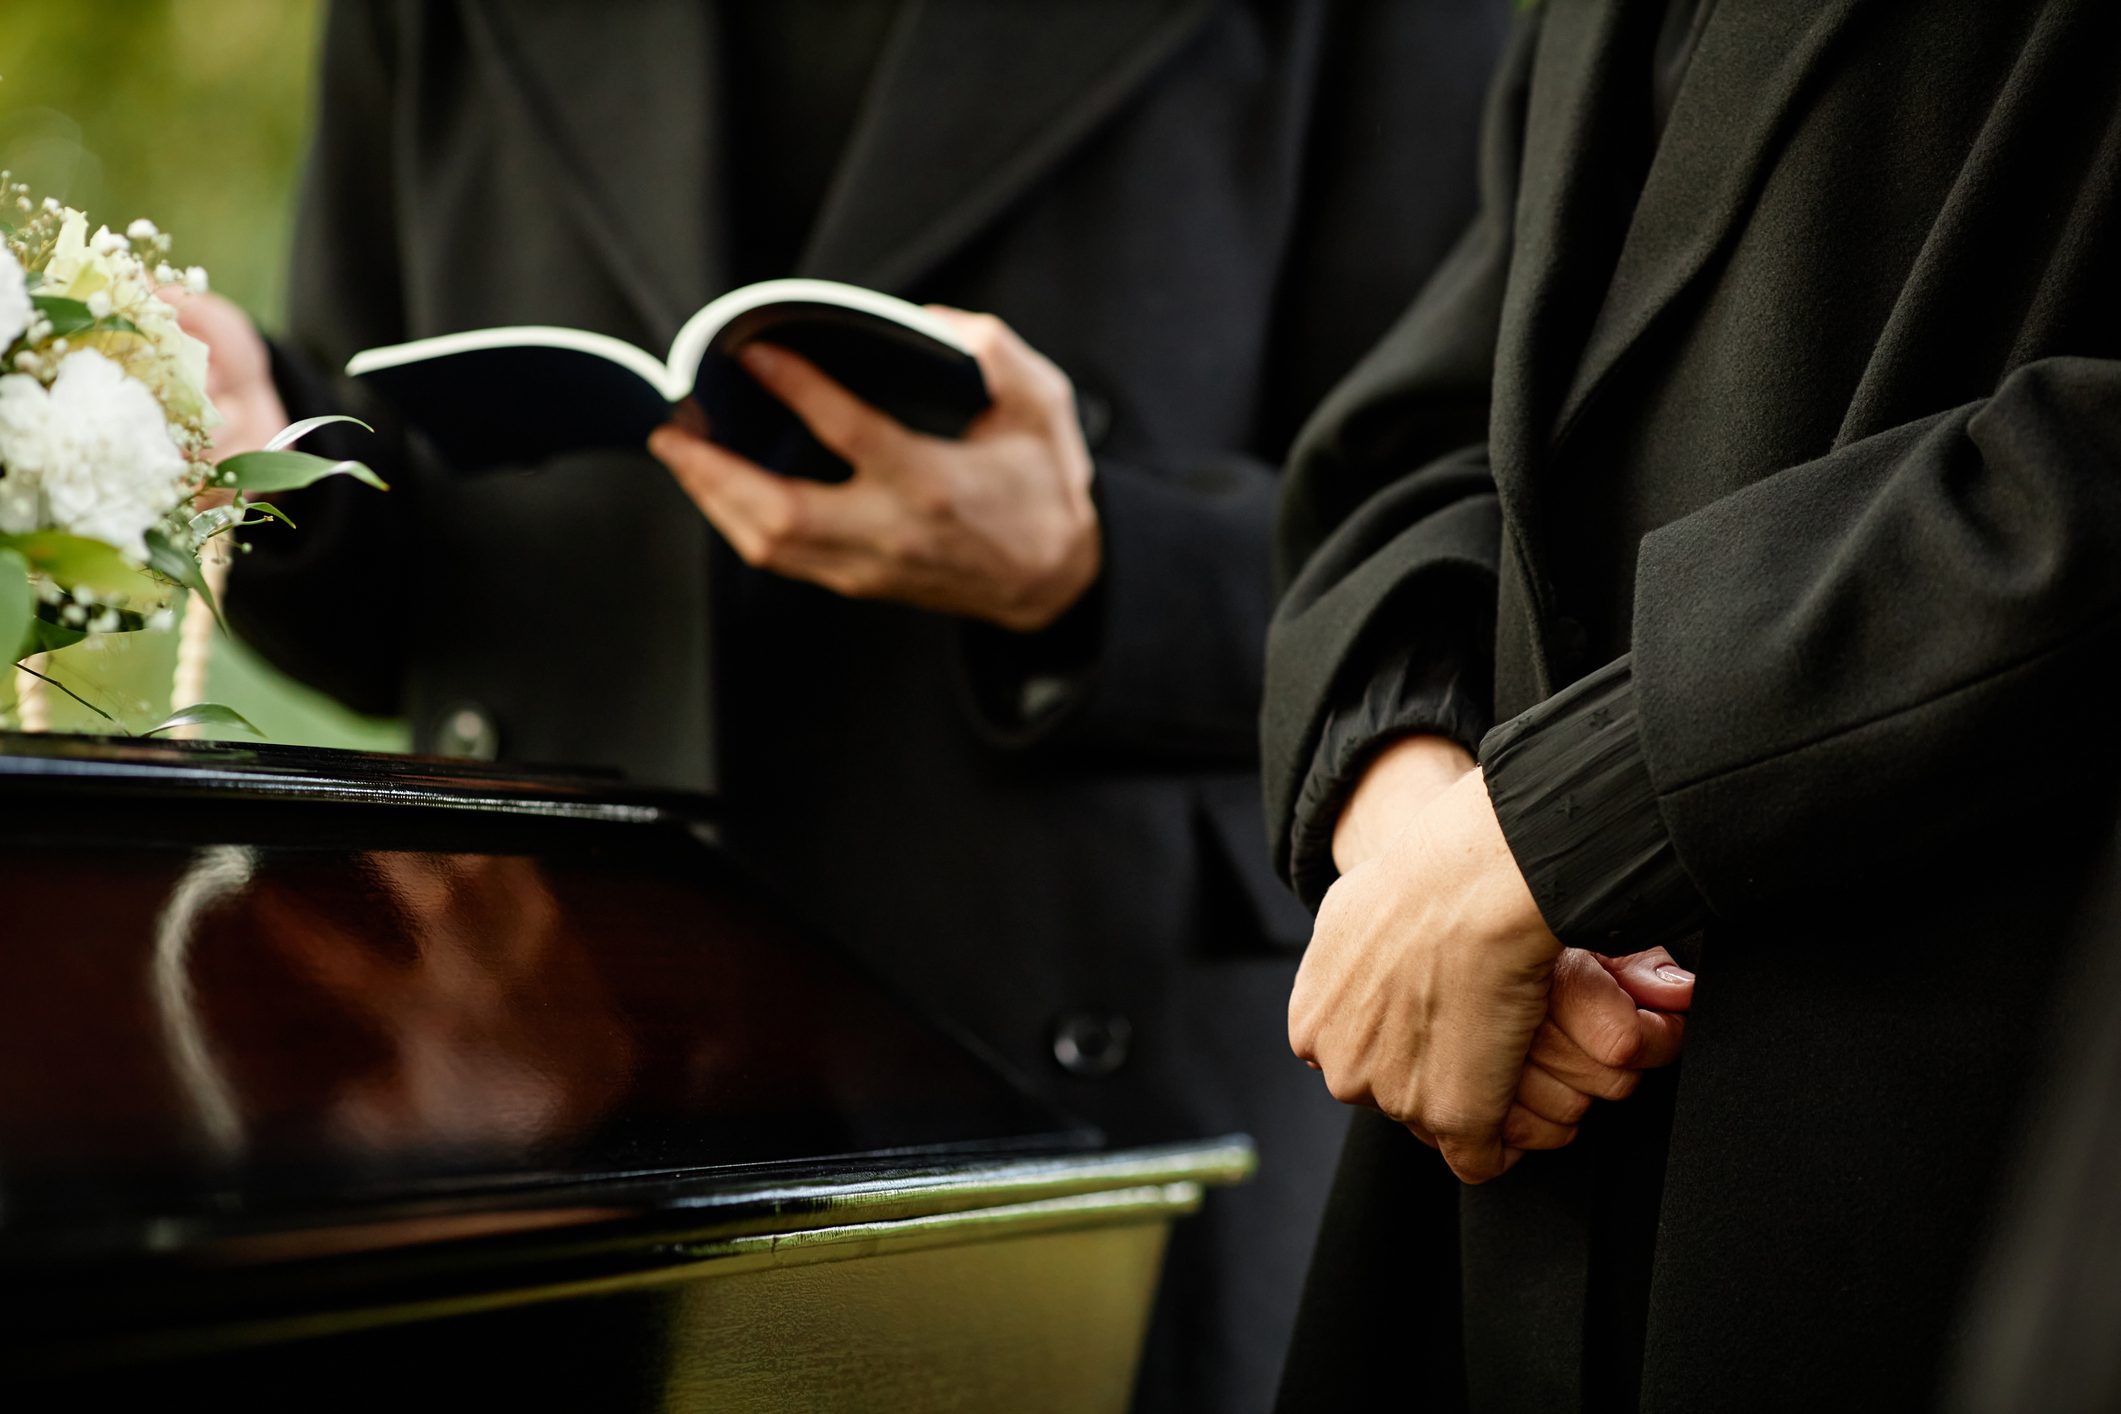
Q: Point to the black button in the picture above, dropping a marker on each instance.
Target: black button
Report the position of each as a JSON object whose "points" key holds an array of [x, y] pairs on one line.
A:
{"points": [[1090, 1045], [469, 731], [1095, 415]]}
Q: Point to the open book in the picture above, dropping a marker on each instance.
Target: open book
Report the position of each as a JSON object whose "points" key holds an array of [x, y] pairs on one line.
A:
{"points": [[515, 397]]}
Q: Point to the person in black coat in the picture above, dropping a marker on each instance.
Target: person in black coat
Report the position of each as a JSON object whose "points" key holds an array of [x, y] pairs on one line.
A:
{"points": [[1014, 768], [1754, 469]]}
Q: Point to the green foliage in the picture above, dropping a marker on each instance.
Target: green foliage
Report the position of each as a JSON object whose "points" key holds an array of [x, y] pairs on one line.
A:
{"points": [[193, 113], [289, 471], [48, 637], [295, 431], [190, 112], [179, 563], [204, 714], [72, 316], [75, 562], [18, 605], [235, 516]]}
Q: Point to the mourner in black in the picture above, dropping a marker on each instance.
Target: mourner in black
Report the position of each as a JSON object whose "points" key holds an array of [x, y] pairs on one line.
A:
{"points": [[1199, 211], [1753, 465]]}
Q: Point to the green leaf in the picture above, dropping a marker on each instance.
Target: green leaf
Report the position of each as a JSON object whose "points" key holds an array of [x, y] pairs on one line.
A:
{"points": [[287, 471], [31, 279], [18, 605], [234, 516], [48, 637], [203, 714], [173, 561], [72, 316], [74, 562], [47, 678], [287, 436]]}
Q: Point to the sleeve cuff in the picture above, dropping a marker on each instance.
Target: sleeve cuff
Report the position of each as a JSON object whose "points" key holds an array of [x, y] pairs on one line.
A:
{"points": [[1162, 657], [1444, 693], [1572, 793], [1023, 687]]}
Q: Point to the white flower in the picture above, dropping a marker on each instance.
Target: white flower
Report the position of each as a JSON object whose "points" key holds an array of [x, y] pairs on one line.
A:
{"points": [[142, 230], [79, 268], [76, 269], [15, 309], [99, 304], [195, 280], [91, 455]]}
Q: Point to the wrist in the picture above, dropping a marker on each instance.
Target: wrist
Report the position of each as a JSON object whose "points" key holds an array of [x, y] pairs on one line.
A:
{"points": [[1059, 584], [1502, 902], [1400, 780]]}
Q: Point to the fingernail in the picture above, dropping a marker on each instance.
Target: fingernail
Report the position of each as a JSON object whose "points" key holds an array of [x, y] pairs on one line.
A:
{"points": [[761, 359], [1678, 976]]}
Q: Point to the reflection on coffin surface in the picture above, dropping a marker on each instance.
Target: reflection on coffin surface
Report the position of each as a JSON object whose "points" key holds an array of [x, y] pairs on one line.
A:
{"points": [[328, 1080]]}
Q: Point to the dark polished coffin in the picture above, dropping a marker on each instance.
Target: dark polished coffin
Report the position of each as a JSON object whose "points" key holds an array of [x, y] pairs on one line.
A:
{"points": [[330, 1081]]}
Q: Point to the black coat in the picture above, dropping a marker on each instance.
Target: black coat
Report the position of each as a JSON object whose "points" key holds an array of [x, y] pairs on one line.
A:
{"points": [[1202, 211], [1826, 429], [2038, 1331]]}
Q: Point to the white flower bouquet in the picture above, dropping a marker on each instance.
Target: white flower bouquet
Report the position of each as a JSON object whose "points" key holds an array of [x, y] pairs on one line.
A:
{"points": [[105, 440]]}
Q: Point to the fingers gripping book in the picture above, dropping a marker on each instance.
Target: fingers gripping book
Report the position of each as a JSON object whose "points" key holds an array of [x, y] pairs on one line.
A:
{"points": [[518, 396]]}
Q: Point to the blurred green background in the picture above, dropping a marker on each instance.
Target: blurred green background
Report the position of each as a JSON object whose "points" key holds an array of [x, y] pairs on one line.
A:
{"points": [[193, 113]]}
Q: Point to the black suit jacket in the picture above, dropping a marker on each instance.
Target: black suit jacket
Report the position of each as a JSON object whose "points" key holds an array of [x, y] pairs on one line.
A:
{"points": [[1202, 211], [1816, 407]]}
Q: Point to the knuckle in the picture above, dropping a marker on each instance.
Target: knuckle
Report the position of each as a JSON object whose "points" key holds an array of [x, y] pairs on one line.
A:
{"points": [[1618, 1084], [852, 581], [751, 549], [1347, 1089], [1618, 1046], [1472, 1163], [1451, 1122], [854, 438], [901, 545], [780, 520], [933, 496]]}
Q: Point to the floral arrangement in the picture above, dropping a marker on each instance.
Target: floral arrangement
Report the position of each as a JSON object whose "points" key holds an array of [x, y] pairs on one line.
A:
{"points": [[108, 496]]}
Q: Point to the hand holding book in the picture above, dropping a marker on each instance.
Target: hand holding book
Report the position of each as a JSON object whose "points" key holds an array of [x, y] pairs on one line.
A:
{"points": [[520, 396], [996, 525]]}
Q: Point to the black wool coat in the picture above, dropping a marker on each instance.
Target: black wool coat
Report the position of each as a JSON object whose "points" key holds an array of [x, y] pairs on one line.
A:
{"points": [[1202, 210], [1814, 404]]}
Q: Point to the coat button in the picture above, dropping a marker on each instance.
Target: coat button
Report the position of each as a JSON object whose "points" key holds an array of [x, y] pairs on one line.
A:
{"points": [[1090, 1045], [1095, 415], [469, 731]]}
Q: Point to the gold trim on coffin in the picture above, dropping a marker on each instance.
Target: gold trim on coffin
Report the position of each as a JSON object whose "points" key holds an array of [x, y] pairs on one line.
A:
{"points": [[900, 1214]]}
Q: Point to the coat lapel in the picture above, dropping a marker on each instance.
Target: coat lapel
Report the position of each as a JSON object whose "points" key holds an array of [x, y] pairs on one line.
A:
{"points": [[971, 104], [625, 106], [1746, 77], [1567, 227]]}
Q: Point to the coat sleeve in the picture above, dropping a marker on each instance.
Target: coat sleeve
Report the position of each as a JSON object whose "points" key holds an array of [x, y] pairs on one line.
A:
{"points": [[1164, 658], [1390, 529], [1849, 660], [325, 602]]}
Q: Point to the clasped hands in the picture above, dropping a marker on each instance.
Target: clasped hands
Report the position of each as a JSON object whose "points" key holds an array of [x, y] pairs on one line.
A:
{"points": [[997, 526], [1433, 990]]}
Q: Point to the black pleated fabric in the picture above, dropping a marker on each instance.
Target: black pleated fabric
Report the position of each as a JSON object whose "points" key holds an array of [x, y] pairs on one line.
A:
{"points": [[1573, 795]]}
